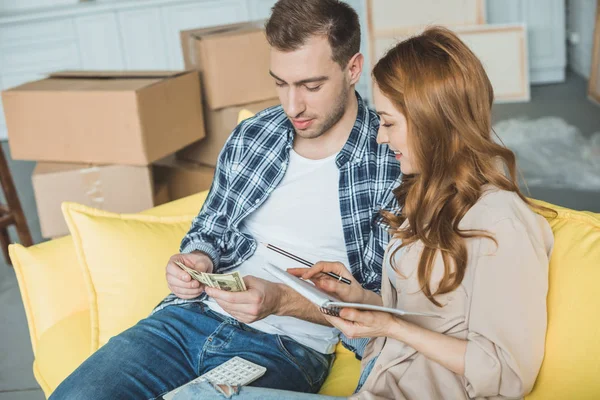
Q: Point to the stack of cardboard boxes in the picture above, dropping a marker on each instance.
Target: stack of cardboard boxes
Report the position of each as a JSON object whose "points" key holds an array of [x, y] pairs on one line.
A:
{"points": [[234, 63], [109, 139]]}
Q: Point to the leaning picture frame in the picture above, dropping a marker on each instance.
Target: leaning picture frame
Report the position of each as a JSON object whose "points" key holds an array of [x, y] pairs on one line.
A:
{"points": [[502, 48], [390, 16]]}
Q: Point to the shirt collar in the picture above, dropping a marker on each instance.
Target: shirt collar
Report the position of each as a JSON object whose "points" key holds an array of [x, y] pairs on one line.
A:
{"points": [[355, 145]]}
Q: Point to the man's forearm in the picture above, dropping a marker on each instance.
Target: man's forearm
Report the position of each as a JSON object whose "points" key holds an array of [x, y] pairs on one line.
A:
{"points": [[292, 304]]}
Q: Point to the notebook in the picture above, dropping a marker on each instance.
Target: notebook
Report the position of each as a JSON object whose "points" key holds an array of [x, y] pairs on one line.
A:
{"points": [[326, 302]]}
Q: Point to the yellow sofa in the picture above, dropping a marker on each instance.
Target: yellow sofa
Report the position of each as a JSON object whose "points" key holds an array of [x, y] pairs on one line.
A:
{"points": [[57, 305]]}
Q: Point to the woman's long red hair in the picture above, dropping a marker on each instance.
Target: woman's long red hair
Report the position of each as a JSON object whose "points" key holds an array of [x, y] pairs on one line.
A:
{"points": [[442, 89]]}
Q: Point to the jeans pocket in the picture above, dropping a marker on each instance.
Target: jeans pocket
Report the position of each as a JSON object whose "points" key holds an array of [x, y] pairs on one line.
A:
{"points": [[313, 365]]}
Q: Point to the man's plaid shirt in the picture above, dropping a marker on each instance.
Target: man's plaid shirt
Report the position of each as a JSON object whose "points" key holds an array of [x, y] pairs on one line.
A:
{"points": [[252, 164]]}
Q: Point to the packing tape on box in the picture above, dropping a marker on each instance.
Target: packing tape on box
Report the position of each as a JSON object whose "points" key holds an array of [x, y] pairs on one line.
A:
{"points": [[93, 186]]}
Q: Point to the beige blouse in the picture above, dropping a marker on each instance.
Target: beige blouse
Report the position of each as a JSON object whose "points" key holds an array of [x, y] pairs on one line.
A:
{"points": [[500, 309]]}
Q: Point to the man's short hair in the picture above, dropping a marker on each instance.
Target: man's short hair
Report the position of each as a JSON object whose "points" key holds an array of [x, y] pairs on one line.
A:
{"points": [[293, 22]]}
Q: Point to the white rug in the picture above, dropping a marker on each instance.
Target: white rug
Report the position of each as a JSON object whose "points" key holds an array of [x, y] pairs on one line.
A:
{"points": [[552, 153]]}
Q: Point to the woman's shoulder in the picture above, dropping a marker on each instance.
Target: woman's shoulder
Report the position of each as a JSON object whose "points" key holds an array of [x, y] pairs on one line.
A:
{"points": [[495, 205], [501, 210]]}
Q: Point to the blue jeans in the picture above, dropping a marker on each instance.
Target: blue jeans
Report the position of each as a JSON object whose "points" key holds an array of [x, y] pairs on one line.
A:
{"points": [[205, 390], [365, 374], [177, 344]]}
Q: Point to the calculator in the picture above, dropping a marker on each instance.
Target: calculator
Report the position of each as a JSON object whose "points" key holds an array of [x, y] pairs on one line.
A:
{"points": [[236, 371]]}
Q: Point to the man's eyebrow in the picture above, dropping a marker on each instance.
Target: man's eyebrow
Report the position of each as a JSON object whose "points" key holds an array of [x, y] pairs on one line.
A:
{"points": [[276, 77], [303, 81], [312, 80]]}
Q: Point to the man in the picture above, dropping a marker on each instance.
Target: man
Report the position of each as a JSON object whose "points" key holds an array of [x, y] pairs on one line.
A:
{"points": [[307, 176]]}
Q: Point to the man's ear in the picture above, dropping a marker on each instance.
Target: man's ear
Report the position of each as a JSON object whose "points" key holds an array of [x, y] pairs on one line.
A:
{"points": [[355, 68]]}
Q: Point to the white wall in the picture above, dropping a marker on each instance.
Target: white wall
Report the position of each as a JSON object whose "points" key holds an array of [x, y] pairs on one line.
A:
{"points": [[581, 15], [546, 31], [19, 5]]}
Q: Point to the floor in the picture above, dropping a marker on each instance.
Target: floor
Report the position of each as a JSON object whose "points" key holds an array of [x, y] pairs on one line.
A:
{"points": [[566, 100]]}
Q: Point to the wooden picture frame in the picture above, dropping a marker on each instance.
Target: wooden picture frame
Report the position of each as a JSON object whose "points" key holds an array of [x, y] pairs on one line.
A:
{"points": [[594, 82], [502, 50], [423, 13], [388, 17]]}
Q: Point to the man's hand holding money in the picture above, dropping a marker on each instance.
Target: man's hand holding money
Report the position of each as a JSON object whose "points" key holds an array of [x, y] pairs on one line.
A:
{"points": [[179, 281], [261, 299], [247, 299]]}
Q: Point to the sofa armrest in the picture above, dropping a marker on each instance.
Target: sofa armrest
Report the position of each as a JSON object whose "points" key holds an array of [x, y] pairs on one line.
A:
{"points": [[189, 205], [51, 283]]}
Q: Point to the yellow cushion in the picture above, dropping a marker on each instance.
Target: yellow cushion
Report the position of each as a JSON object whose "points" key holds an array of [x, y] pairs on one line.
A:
{"points": [[46, 269], [50, 282], [572, 364], [244, 114], [190, 205], [43, 272], [62, 348], [344, 375], [122, 258]]}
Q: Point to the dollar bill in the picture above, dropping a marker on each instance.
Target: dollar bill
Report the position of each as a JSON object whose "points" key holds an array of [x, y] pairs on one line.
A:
{"points": [[195, 274], [232, 282], [229, 282]]}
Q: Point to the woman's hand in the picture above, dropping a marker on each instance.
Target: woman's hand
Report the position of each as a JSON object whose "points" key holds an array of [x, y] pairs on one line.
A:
{"points": [[352, 293], [359, 324], [443, 349]]}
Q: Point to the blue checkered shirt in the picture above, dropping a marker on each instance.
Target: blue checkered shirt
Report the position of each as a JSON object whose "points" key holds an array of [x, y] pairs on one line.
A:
{"points": [[254, 161]]}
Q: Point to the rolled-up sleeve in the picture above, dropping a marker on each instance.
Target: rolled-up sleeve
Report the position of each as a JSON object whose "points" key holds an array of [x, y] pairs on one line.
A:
{"points": [[507, 318], [208, 230]]}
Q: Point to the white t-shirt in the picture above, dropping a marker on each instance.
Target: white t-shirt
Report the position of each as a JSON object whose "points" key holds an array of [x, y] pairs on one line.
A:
{"points": [[302, 216]]}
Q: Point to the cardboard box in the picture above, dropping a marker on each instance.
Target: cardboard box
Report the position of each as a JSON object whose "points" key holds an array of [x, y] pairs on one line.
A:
{"points": [[183, 178], [116, 188], [233, 61], [219, 125], [128, 118]]}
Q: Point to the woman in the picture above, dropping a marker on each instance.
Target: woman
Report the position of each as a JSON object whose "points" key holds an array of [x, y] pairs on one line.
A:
{"points": [[465, 246]]}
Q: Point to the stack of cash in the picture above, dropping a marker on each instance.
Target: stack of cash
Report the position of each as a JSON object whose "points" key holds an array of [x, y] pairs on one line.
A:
{"points": [[230, 282]]}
